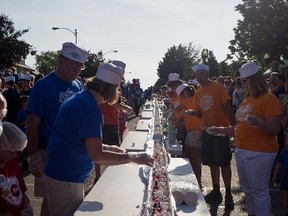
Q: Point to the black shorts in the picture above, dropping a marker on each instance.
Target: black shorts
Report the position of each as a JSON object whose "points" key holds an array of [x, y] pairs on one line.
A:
{"points": [[215, 150]]}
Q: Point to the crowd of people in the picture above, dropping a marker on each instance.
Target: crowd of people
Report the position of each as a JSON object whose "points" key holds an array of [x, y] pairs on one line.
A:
{"points": [[63, 123], [71, 127], [248, 112]]}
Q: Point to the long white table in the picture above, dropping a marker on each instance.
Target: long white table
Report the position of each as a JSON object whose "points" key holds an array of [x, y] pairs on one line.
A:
{"points": [[121, 192], [146, 114], [144, 125], [135, 141]]}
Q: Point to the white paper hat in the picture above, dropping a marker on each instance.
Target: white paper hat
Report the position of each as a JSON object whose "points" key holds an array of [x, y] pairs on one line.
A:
{"points": [[110, 73], [25, 77], [9, 78], [173, 77], [248, 69], [71, 51], [200, 67], [180, 88], [169, 90], [119, 64], [193, 82]]}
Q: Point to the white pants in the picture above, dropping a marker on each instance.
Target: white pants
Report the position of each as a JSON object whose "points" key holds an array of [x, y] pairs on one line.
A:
{"points": [[64, 198], [254, 170]]}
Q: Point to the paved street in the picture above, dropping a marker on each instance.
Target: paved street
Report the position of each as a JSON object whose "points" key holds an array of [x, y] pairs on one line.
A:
{"points": [[277, 197]]}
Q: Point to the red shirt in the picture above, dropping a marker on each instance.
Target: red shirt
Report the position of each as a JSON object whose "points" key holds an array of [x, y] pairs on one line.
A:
{"points": [[110, 114], [12, 188]]}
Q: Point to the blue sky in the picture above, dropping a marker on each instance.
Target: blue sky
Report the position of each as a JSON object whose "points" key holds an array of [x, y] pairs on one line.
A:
{"points": [[141, 31]]}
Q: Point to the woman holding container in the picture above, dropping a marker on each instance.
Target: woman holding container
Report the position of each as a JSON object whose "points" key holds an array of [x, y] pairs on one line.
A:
{"points": [[258, 123]]}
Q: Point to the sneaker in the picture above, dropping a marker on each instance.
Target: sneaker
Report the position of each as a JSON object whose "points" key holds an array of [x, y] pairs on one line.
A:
{"points": [[229, 203], [214, 196]]}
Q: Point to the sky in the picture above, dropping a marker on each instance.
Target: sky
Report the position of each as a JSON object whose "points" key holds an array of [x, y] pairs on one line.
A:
{"points": [[141, 31]]}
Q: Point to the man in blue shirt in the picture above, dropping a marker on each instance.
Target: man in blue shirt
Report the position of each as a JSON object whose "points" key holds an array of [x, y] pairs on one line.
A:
{"points": [[45, 99]]}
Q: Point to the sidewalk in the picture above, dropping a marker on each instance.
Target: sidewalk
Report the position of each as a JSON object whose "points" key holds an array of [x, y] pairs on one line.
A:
{"points": [[239, 210]]}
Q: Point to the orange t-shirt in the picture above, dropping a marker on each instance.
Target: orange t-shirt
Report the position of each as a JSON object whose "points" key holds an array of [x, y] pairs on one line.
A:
{"points": [[191, 122], [176, 102], [251, 138], [210, 102]]}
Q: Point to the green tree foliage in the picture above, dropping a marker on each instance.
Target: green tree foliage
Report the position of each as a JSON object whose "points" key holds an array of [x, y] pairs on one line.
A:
{"points": [[12, 50], [223, 68], [178, 59], [47, 61], [263, 30], [231, 69], [91, 66], [213, 65]]}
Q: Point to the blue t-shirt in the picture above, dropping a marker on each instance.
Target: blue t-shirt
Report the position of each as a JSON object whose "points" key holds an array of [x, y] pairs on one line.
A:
{"points": [[137, 92], [67, 158], [45, 99]]}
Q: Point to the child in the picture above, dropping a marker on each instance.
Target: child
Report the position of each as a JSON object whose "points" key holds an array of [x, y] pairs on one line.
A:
{"points": [[21, 123], [13, 199], [22, 113], [282, 165]]}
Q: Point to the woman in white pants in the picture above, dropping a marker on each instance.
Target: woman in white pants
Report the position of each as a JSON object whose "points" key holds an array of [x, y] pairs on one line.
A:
{"points": [[258, 123]]}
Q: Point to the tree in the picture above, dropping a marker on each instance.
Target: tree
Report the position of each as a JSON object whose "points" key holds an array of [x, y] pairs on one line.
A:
{"points": [[213, 65], [91, 65], [177, 60], [263, 30], [223, 68], [47, 61], [12, 50], [231, 69]]}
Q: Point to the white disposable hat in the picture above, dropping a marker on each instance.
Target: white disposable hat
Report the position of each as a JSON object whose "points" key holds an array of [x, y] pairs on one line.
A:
{"points": [[169, 90], [193, 82], [173, 77], [119, 64], [73, 52], [249, 69], [110, 73], [200, 67], [25, 77], [12, 138], [180, 88], [9, 78]]}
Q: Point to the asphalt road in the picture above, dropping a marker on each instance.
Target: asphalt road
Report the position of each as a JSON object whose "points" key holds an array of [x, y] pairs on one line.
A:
{"points": [[239, 210]]}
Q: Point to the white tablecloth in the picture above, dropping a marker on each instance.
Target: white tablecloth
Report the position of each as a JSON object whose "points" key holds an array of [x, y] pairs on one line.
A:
{"points": [[121, 192], [135, 141]]}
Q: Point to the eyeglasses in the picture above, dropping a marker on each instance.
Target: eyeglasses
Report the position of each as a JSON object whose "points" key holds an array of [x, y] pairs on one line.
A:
{"points": [[74, 63]]}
